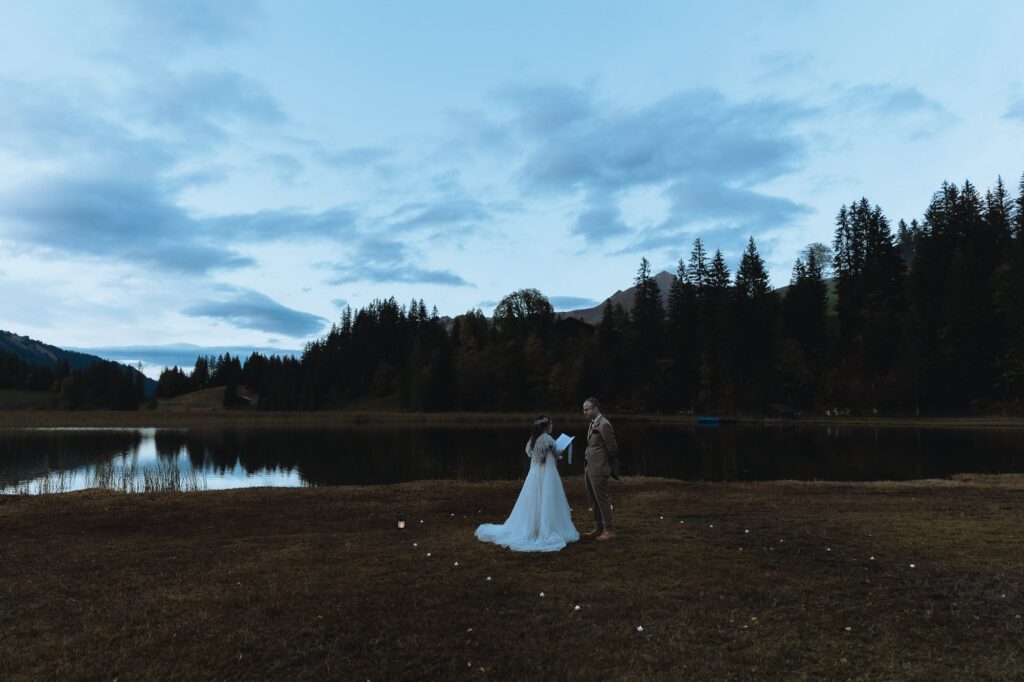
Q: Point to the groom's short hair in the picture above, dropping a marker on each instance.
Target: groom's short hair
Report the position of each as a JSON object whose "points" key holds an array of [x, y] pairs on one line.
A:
{"points": [[594, 402]]}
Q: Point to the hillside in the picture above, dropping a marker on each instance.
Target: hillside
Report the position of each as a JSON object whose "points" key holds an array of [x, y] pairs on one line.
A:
{"points": [[11, 399], [44, 355], [623, 298], [206, 399]]}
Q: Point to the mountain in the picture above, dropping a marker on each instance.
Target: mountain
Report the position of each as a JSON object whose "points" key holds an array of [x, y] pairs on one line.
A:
{"points": [[623, 298], [664, 279], [44, 355], [183, 355]]}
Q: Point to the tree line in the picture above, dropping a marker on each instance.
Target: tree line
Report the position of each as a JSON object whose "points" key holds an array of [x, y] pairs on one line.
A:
{"points": [[924, 318], [101, 385]]}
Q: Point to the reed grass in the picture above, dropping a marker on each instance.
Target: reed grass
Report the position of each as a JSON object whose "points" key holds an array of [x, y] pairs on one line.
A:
{"points": [[124, 477], [328, 419]]}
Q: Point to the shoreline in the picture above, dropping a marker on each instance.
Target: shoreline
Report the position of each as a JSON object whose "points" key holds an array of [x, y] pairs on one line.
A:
{"points": [[256, 419], [767, 579]]}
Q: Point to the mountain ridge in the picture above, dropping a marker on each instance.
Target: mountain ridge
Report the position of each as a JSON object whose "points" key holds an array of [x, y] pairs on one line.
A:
{"points": [[664, 279], [41, 354]]}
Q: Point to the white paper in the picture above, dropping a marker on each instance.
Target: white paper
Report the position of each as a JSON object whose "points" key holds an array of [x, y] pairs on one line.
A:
{"points": [[564, 444]]}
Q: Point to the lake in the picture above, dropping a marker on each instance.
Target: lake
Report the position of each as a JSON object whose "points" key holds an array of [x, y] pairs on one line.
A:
{"points": [[135, 460]]}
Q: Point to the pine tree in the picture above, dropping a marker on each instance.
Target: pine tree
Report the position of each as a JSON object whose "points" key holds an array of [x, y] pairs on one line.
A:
{"points": [[718, 276], [647, 312], [200, 373], [905, 242], [684, 332], [751, 278], [697, 274], [999, 214], [647, 318], [231, 398], [1018, 215], [754, 313]]}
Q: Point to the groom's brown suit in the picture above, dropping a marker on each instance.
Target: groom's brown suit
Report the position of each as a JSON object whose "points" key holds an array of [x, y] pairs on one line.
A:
{"points": [[601, 450]]}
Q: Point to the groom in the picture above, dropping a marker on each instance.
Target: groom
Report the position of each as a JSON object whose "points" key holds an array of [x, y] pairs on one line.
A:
{"points": [[600, 457]]}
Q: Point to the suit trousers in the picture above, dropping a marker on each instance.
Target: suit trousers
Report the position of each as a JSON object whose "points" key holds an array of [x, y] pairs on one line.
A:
{"points": [[597, 491]]}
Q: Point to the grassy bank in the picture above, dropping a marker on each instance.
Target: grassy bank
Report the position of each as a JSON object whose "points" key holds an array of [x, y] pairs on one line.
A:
{"points": [[737, 580], [249, 418]]}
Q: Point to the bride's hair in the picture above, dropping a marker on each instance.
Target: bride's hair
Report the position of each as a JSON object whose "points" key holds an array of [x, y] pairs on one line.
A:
{"points": [[539, 427]]}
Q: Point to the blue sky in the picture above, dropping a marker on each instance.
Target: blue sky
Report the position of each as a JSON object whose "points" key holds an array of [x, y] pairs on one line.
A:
{"points": [[234, 173]]}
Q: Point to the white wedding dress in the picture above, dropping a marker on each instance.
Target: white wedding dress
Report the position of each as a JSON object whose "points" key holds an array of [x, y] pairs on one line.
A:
{"points": [[540, 520]]}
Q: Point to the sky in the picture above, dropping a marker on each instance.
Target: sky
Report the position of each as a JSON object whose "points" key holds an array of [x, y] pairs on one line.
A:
{"points": [[233, 173]]}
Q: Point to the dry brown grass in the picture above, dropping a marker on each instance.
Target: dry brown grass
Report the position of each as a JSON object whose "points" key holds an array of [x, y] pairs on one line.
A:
{"points": [[11, 399], [737, 580], [209, 399]]}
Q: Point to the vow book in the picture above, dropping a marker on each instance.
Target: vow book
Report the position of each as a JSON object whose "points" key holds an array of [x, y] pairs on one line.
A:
{"points": [[563, 442]]}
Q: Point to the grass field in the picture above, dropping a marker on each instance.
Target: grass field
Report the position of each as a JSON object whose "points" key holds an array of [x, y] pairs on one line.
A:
{"points": [[11, 399], [741, 580], [208, 399]]}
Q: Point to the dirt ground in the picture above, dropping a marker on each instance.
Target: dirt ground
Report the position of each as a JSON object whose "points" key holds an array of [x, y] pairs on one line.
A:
{"points": [[728, 581]]}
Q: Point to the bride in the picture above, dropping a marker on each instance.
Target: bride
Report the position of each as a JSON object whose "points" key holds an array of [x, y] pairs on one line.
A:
{"points": [[540, 520]]}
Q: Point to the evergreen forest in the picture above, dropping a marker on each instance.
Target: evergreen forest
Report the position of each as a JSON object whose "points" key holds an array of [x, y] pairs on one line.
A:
{"points": [[925, 317]]}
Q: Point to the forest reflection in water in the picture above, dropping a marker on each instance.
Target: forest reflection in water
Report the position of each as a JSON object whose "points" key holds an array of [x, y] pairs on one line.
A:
{"points": [[141, 460]]}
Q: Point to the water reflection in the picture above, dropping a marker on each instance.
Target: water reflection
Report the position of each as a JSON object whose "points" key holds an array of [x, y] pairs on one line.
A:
{"points": [[135, 460]]}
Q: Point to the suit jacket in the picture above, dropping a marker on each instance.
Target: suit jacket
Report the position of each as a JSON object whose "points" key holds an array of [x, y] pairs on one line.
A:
{"points": [[601, 447]]}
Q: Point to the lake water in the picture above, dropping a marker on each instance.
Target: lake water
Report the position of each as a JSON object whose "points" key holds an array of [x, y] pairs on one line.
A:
{"points": [[60, 460]]}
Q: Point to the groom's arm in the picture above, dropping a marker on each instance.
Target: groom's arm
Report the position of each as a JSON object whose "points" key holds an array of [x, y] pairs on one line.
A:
{"points": [[608, 435]]}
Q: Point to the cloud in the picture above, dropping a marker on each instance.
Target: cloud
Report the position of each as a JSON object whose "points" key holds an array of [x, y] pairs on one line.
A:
{"points": [[119, 201], [283, 224], [783, 64], [65, 130], [694, 134], [174, 25], [339, 303], [1015, 111], [139, 223], [693, 201], [407, 274], [599, 221], [731, 238], [379, 260], [689, 141], [924, 116], [286, 167], [571, 302], [253, 310], [354, 157], [447, 211], [113, 218], [198, 107], [545, 109]]}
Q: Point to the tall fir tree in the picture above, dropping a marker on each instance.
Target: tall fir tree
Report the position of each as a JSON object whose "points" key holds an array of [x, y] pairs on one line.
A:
{"points": [[755, 314], [684, 331], [752, 277], [648, 319], [697, 274]]}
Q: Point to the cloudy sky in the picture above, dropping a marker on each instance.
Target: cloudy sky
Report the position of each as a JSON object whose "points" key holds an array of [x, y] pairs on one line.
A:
{"points": [[233, 173]]}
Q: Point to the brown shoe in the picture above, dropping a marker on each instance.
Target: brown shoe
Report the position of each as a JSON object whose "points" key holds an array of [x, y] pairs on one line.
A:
{"points": [[590, 535], [607, 535]]}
